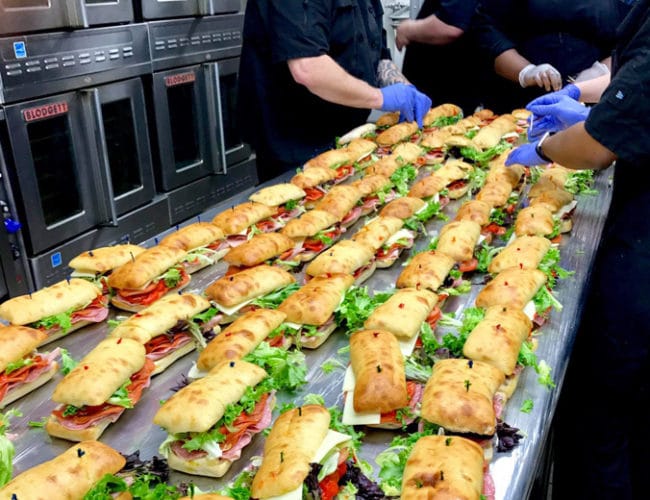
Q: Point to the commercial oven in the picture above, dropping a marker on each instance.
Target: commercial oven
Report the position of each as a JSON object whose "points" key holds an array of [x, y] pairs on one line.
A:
{"points": [[164, 9], [23, 16], [75, 135], [199, 153]]}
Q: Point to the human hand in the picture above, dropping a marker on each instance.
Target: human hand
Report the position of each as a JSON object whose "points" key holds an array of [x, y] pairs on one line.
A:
{"points": [[409, 101], [525, 155], [401, 34], [542, 75], [554, 112]]}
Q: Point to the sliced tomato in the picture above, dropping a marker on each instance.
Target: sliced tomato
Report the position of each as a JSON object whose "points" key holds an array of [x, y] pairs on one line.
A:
{"points": [[494, 228], [457, 184], [468, 266], [152, 292], [329, 485], [313, 194], [420, 161], [266, 226], [557, 239], [511, 208], [313, 245], [19, 376], [391, 416], [433, 317], [344, 171]]}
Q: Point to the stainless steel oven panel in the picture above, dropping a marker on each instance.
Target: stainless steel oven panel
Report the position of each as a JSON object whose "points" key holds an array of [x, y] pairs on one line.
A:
{"points": [[22, 16], [119, 129], [53, 169], [162, 9], [182, 126], [236, 150], [45, 64]]}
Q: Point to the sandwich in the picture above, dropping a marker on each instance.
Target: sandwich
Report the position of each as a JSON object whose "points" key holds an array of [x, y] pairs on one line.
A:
{"points": [[151, 275], [204, 243], [427, 270], [454, 176], [241, 337], [57, 310], [302, 454], [459, 240], [495, 193], [343, 160], [235, 295], [442, 115], [490, 135], [312, 232], [403, 315], [375, 386], [497, 338], [22, 369], [522, 115], [498, 172], [365, 131], [169, 328], [403, 155], [560, 203], [536, 221], [287, 198], [344, 202], [261, 248], [387, 120], [401, 132], [474, 210], [512, 287], [240, 222], [107, 381], [444, 467], [459, 396], [387, 237], [209, 421], [95, 265], [315, 182], [376, 191], [71, 475], [310, 310], [346, 257], [524, 252], [403, 208], [436, 143]]}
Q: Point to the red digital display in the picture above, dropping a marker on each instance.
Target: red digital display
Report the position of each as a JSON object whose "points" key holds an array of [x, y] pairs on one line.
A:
{"points": [[179, 79], [46, 111]]}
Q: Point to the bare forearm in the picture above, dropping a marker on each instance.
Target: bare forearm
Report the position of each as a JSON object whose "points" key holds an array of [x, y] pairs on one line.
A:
{"points": [[508, 64], [575, 148], [592, 90], [329, 81], [388, 74], [429, 30]]}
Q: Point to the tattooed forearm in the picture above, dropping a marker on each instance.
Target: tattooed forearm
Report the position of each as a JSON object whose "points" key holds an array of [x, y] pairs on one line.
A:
{"points": [[387, 73]]}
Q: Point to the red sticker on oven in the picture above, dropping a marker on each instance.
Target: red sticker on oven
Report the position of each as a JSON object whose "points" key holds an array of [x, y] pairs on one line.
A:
{"points": [[46, 111], [179, 79]]}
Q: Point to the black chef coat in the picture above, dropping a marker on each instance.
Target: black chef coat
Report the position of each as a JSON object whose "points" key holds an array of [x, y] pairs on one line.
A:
{"points": [[283, 121], [600, 424], [570, 36], [447, 73]]}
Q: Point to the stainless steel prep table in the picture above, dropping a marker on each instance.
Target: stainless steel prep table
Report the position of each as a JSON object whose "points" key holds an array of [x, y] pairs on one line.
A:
{"points": [[513, 472]]}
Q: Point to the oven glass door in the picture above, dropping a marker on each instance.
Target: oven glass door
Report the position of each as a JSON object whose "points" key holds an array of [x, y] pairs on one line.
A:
{"points": [[182, 125], [161, 9], [19, 16], [231, 122], [108, 11], [123, 144], [53, 167]]}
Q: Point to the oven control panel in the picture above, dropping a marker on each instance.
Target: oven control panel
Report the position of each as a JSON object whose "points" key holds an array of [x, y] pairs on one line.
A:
{"points": [[191, 41], [40, 64]]}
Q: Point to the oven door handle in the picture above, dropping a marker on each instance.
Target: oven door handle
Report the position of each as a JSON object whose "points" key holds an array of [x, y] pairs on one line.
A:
{"points": [[103, 171], [215, 115], [76, 14], [206, 8]]}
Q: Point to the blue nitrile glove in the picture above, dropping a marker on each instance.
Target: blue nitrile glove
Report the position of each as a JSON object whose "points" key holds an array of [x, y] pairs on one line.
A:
{"points": [[525, 155], [409, 101], [552, 113]]}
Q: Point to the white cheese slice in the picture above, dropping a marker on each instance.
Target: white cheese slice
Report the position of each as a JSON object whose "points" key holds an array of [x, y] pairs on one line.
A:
{"points": [[351, 417], [331, 440], [407, 345], [509, 135], [81, 274], [232, 310], [402, 233], [195, 373], [481, 239], [565, 209], [529, 310], [295, 326]]}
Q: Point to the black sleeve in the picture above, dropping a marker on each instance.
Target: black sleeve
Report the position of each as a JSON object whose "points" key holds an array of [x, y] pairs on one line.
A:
{"points": [[491, 26], [620, 120], [298, 29], [456, 12]]}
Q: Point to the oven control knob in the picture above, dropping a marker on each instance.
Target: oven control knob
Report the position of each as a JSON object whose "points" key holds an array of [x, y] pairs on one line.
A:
{"points": [[12, 226]]}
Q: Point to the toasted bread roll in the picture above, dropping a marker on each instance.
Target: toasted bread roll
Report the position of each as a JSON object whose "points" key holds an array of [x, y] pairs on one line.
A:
{"points": [[378, 231], [370, 184], [458, 239], [474, 210], [104, 259], [388, 119], [248, 284], [194, 236], [459, 394], [553, 199], [403, 208], [259, 249], [427, 186], [444, 467], [495, 193], [145, 267], [441, 111], [345, 257], [534, 221], [500, 173], [240, 217], [308, 224], [525, 252], [277, 194], [397, 133], [289, 448], [427, 270], [490, 135], [403, 313], [240, 338], [378, 367], [340, 200], [313, 177], [513, 287], [17, 342], [315, 302]]}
